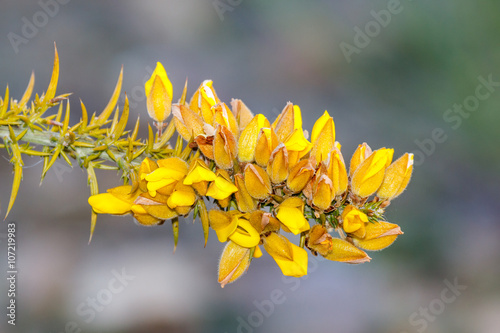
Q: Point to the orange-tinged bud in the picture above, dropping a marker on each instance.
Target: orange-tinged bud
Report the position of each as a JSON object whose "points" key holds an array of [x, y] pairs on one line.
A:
{"points": [[234, 262], [264, 222], [300, 175], [187, 122], [291, 213], [344, 251], [370, 173], [354, 221], [323, 137], [337, 171], [246, 203], [291, 259], [322, 191], [267, 142], [242, 113], [379, 235], [222, 187], [223, 116], [360, 154], [277, 167], [224, 147], [205, 145], [320, 240], [257, 182], [248, 138], [159, 94], [397, 176]]}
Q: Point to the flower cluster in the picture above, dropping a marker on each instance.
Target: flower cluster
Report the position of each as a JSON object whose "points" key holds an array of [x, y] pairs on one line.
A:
{"points": [[262, 180]]}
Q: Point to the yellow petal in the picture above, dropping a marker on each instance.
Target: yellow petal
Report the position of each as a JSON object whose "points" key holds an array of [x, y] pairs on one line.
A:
{"points": [[291, 213], [323, 137], [246, 203], [159, 96], [370, 173], [277, 167], [187, 122], [162, 212], [353, 219], [224, 117], [223, 223], [360, 154], [267, 142], [224, 147], [291, 259], [322, 192], [183, 195], [162, 75], [379, 235], [198, 172], [245, 235], [337, 171], [300, 175], [221, 187], [106, 203]]}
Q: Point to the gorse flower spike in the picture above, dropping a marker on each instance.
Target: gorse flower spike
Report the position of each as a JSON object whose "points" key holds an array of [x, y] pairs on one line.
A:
{"points": [[253, 181]]}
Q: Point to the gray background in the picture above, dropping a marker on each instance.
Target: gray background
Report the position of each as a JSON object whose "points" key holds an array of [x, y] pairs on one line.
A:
{"points": [[393, 93]]}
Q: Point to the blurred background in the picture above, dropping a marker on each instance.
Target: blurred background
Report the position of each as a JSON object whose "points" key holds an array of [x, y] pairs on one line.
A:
{"points": [[412, 75]]}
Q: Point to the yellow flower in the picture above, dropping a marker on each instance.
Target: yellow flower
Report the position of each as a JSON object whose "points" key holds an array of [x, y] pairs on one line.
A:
{"points": [[156, 207], [370, 173], [248, 138], [337, 171], [234, 262], [147, 166], [297, 146], [159, 94], [344, 251], [323, 137], [242, 113], [118, 201], [277, 167], [291, 213], [246, 203], [224, 147], [378, 236], [222, 187], [353, 221], [264, 222], [170, 171], [198, 176], [231, 225], [291, 259], [187, 122], [183, 196], [396, 178], [267, 142], [257, 182], [300, 175], [360, 154]]}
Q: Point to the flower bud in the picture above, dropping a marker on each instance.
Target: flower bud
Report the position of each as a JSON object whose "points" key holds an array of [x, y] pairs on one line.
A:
{"points": [[234, 262], [344, 251], [370, 174], [397, 176], [242, 113], [300, 175], [224, 147], [291, 213], [267, 142], [360, 154], [264, 222], [354, 221], [187, 122], [248, 138], [320, 240], [291, 259], [224, 117], [246, 203], [224, 223], [203, 100], [379, 235], [257, 182], [322, 191], [159, 94], [337, 171], [323, 137], [277, 167]]}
